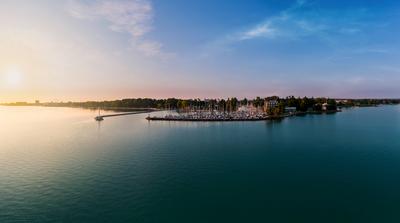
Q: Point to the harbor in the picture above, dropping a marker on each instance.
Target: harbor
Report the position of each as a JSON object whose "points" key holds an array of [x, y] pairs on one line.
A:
{"points": [[270, 108], [217, 117], [208, 118]]}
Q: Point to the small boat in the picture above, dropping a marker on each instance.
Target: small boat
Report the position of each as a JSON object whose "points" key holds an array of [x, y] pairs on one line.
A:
{"points": [[99, 117]]}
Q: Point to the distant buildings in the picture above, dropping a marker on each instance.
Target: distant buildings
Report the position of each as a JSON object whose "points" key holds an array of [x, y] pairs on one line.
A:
{"points": [[325, 106], [270, 103], [290, 109], [342, 101]]}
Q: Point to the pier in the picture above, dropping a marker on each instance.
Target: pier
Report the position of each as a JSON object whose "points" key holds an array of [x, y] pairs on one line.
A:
{"points": [[101, 117]]}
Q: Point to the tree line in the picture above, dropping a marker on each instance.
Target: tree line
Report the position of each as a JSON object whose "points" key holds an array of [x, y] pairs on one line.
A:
{"points": [[225, 105]]}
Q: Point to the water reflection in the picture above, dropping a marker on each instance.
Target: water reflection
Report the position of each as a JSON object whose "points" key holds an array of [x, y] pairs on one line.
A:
{"points": [[61, 162]]}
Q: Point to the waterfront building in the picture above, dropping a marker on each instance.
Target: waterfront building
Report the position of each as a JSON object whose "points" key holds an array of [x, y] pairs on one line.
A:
{"points": [[324, 106], [341, 101], [270, 104], [290, 109]]}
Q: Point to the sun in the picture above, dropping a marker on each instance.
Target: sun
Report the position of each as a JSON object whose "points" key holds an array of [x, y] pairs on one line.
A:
{"points": [[13, 77]]}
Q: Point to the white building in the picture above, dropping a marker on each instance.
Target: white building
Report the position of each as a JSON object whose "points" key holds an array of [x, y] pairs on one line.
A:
{"points": [[324, 106], [290, 109]]}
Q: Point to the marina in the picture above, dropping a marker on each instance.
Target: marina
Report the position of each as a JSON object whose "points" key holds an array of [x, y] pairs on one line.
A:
{"points": [[215, 117], [181, 111], [204, 116]]}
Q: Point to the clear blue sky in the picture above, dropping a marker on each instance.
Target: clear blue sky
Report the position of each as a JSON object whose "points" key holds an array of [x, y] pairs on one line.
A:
{"points": [[79, 50]]}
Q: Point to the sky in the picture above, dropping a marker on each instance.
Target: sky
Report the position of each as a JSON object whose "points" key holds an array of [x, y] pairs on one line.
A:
{"points": [[78, 50]]}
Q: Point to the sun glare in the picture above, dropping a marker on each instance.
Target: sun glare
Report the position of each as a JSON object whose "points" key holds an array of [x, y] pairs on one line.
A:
{"points": [[13, 77]]}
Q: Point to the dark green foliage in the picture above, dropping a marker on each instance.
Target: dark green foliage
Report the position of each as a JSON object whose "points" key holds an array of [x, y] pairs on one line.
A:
{"points": [[228, 105]]}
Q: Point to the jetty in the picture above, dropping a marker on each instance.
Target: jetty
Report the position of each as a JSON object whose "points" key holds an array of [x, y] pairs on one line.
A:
{"points": [[101, 117], [206, 116]]}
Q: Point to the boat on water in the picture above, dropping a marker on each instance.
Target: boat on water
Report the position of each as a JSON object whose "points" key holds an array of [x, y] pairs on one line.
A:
{"points": [[99, 117]]}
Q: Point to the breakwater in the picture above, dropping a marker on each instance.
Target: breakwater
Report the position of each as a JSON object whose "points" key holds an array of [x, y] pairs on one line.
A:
{"points": [[234, 116], [207, 119], [218, 117], [101, 117]]}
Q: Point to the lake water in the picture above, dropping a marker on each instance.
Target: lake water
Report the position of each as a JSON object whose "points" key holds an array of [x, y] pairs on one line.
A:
{"points": [[59, 165]]}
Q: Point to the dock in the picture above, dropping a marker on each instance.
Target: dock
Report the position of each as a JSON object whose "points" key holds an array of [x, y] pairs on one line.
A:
{"points": [[101, 117]]}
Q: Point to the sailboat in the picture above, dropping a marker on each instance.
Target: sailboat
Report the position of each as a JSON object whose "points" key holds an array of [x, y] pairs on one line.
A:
{"points": [[99, 117]]}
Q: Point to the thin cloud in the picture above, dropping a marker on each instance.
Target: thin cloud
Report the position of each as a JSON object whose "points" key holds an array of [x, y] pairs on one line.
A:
{"points": [[134, 17], [150, 48], [262, 30], [302, 20]]}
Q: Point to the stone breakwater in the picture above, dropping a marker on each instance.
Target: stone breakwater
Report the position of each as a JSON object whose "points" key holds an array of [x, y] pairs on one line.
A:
{"points": [[214, 117], [233, 116]]}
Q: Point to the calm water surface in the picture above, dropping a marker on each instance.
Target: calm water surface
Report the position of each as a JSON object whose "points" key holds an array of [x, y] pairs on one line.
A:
{"points": [[59, 165]]}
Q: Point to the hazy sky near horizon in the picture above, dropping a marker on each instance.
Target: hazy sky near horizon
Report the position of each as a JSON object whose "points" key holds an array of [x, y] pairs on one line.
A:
{"points": [[108, 49]]}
